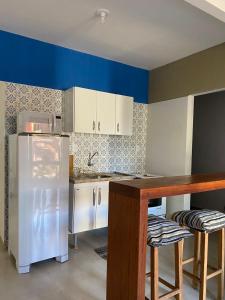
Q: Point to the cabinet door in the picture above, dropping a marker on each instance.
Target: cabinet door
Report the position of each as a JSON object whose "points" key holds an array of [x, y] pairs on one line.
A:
{"points": [[124, 115], [102, 205], [85, 198], [85, 110], [106, 110]]}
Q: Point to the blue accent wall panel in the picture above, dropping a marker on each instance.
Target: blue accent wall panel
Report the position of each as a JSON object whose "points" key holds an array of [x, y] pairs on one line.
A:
{"points": [[29, 61]]}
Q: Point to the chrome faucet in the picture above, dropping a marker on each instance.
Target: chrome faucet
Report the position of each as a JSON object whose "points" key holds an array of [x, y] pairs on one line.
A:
{"points": [[90, 163]]}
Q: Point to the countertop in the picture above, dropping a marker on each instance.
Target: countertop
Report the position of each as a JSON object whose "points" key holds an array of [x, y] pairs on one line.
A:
{"points": [[110, 177], [170, 186]]}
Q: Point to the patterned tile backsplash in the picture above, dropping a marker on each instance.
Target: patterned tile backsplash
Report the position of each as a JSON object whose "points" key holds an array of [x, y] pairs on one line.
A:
{"points": [[115, 153]]}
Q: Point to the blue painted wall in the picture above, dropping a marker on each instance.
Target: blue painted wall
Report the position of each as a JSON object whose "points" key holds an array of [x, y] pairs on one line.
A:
{"points": [[29, 61]]}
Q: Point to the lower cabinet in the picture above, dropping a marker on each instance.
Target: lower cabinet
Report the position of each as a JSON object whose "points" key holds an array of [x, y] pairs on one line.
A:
{"points": [[88, 207]]}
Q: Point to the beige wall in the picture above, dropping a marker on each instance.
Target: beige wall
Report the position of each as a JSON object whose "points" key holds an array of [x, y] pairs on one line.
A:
{"points": [[169, 143], [200, 72]]}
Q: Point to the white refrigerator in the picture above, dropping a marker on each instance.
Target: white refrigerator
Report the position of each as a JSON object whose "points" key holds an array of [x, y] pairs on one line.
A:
{"points": [[38, 198]]}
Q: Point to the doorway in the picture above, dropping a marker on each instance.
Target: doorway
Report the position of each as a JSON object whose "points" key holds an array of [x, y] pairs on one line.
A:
{"points": [[208, 152]]}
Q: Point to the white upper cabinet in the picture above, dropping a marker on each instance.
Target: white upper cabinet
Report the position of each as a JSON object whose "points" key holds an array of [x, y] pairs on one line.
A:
{"points": [[124, 115], [80, 110], [106, 113], [90, 111], [85, 110]]}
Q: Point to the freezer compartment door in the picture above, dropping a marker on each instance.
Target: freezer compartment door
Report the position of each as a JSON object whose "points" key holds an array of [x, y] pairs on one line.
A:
{"points": [[43, 174]]}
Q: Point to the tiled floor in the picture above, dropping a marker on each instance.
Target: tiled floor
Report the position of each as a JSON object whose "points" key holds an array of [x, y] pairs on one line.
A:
{"points": [[82, 278]]}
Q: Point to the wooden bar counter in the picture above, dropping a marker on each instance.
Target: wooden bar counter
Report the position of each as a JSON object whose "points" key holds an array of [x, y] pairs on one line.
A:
{"points": [[128, 206]]}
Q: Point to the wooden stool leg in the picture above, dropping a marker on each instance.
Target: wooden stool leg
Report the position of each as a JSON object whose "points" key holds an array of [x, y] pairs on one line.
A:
{"points": [[204, 263], [154, 273], [179, 268], [221, 262], [197, 243]]}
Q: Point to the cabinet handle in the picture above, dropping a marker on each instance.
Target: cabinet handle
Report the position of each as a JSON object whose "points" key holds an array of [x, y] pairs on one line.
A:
{"points": [[94, 196], [93, 125], [118, 127], [99, 196], [99, 126]]}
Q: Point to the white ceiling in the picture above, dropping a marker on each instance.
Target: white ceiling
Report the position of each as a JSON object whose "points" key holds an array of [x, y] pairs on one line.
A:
{"points": [[215, 8], [143, 33]]}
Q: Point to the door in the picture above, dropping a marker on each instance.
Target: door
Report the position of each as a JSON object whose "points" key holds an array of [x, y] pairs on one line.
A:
{"points": [[124, 115], [106, 110], [85, 110], [102, 205], [85, 199]]}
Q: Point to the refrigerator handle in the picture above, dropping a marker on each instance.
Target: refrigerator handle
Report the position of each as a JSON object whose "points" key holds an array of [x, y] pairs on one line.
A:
{"points": [[99, 196], [94, 196]]}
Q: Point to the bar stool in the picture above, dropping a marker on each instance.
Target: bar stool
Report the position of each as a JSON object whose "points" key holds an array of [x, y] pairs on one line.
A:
{"points": [[162, 232], [203, 222]]}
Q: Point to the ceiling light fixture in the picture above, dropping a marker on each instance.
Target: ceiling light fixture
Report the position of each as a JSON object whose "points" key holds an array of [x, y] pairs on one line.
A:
{"points": [[102, 13]]}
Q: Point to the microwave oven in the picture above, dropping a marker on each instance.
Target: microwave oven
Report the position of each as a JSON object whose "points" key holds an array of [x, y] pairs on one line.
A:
{"points": [[38, 122]]}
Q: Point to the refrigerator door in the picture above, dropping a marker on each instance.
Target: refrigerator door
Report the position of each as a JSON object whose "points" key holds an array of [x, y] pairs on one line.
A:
{"points": [[43, 177]]}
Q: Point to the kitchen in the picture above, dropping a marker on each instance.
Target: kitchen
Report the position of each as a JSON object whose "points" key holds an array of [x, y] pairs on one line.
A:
{"points": [[112, 131]]}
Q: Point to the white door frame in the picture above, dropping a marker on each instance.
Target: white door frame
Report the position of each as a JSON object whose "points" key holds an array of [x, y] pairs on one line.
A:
{"points": [[2, 160]]}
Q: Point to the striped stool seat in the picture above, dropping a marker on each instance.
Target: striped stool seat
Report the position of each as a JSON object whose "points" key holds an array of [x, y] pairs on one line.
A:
{"points": [[162, 232], [201, 220], [203, 223]]}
